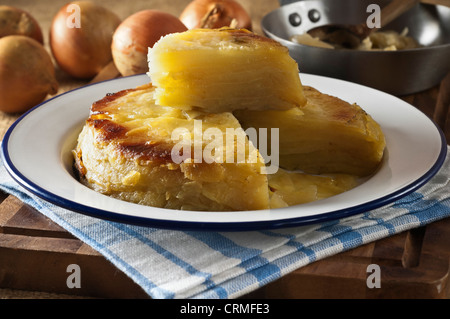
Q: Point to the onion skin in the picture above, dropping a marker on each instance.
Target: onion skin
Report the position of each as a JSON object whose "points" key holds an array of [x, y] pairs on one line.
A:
{"points": [[214, 14], [82, 52], [136, 34], [27, 74], [14, 21]]}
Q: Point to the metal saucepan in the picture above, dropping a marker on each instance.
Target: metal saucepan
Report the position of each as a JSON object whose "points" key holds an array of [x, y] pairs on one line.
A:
{"points": [[399, 72]]}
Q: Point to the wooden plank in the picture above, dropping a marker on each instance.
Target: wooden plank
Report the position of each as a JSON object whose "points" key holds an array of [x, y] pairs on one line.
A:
{"points": [[413, 264], [35, 254], [41, 264], [442, 112], [18, 218]]}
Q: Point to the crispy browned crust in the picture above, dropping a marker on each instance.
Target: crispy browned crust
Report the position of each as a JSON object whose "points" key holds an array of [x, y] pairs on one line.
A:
{"points": [[246, 36], [106, 129], [140, 147], [100, 105], [337, 109]]}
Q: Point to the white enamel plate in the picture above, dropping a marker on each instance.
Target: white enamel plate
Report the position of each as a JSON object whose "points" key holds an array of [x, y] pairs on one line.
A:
{"points": [[37, 153]]}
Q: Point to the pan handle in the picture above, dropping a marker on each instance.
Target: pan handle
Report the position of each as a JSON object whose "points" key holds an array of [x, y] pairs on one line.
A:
{"points": [[436, 2]]}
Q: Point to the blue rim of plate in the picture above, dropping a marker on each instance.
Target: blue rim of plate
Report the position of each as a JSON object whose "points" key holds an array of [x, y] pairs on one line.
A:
{"points": [[209, 226]]}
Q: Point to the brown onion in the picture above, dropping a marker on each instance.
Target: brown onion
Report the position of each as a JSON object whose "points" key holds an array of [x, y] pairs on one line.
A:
{"points": [[27, 73], [14, 21], [80, 38], [213, 14], [136, 34]]}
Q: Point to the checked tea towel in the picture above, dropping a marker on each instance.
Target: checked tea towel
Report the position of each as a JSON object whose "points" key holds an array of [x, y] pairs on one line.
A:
{"points": [[195, 264]]}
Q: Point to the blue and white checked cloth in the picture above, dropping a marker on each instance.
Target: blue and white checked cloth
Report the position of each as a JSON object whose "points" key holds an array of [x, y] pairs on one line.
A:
{"points": [[189, 264]]}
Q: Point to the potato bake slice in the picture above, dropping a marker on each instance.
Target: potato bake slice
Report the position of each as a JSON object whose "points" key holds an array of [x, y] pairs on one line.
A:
{"points": [[221, 70], [135, 150], [327, 135]]}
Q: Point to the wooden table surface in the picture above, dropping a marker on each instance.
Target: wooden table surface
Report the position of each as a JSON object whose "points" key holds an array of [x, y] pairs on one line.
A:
{"points": [[416, 263]]}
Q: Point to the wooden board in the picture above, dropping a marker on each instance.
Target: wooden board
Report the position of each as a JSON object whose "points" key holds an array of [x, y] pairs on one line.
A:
{"points": [[35, 254]]}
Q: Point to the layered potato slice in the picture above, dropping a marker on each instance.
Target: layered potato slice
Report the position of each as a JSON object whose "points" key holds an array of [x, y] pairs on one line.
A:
{"points": [[328, 135], [128, 149], [221, 70]]}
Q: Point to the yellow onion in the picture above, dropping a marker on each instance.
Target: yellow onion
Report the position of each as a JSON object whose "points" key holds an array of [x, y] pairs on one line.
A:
{"points": [[213, 14], [27, 74], [136, 34], [14, 21], [80, 38]]}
